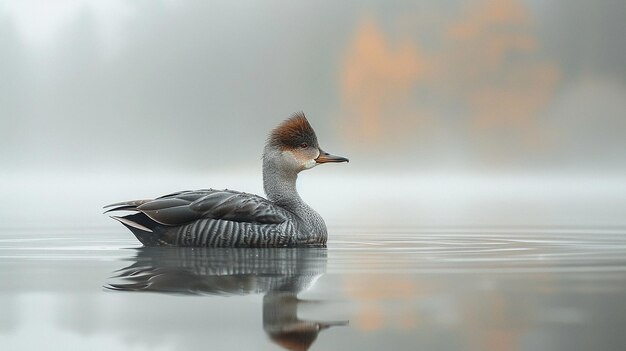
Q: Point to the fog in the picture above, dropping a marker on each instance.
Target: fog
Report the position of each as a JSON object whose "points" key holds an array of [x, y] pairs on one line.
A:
{"points": [[108, 99], [197, 85]]}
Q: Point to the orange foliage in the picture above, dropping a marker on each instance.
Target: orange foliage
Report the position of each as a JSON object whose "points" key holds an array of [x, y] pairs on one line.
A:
{"points": [[376, 74], [489, 64]]}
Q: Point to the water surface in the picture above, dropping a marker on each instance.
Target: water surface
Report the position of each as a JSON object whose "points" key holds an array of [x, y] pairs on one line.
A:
{"points": [[400, 288]]}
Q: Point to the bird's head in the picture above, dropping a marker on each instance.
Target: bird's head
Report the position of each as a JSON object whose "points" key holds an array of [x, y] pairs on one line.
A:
{"points": [[294, 145]]}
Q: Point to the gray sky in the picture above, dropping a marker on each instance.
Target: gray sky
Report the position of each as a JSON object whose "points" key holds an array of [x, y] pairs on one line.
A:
{"points": [[197, 85]]}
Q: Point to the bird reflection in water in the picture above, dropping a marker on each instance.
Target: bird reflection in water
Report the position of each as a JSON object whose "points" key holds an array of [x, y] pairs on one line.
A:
{"points": [[278, 273]]}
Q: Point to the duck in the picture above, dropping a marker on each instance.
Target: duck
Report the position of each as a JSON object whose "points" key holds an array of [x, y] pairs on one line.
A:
{"points": [[228, 218]]}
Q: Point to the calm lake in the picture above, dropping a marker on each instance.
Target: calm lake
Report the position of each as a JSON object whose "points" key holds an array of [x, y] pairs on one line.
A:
{"points": [[373, 288], [433, 262]]}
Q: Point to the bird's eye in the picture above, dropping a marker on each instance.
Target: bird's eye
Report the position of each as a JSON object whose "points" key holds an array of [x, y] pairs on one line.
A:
{"points": [[304, 145]]}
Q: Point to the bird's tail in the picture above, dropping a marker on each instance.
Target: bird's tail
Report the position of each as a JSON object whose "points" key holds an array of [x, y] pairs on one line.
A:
{"points": [[147, 231]]}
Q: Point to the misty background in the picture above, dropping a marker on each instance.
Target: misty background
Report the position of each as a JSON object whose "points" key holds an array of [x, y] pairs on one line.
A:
{"points": [[456, 112]]}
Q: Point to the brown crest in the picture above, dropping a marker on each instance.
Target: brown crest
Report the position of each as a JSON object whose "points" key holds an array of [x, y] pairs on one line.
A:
{"points": [[293, 132]]}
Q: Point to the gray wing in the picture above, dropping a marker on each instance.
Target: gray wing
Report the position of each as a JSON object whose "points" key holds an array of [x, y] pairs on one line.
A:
{"points": [[187, 206]]}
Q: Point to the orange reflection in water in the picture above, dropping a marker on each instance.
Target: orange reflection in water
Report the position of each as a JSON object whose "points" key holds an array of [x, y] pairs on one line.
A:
{"points": [[373, 294], [484, 318]]}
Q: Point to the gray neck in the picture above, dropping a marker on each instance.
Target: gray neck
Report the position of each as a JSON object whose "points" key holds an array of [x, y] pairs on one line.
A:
{"points": [[279, 183]]}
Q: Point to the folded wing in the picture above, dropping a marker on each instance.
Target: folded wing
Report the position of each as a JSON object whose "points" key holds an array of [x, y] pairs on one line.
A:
{"points": [[186, 206]]}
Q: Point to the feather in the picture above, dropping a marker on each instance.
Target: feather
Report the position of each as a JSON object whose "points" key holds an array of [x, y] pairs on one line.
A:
{"points": [[131, 223], [293, 132], [186, 206]]}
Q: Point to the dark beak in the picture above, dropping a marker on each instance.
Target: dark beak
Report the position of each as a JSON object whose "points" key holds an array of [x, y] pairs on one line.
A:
{"points": [[325, 157], [326, 325]]}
